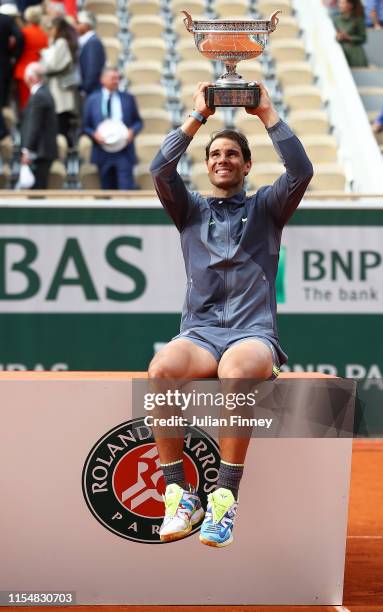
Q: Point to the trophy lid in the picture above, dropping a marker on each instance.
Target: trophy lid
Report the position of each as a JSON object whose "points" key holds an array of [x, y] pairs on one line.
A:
{"points": [[231, 25]]}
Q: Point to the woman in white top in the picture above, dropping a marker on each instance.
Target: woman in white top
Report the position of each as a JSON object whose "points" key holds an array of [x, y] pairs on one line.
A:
{"points": [[60, 61]]}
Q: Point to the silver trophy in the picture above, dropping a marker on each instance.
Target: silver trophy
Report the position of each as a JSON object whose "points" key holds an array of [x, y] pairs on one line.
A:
{"points": [[231, 41]]}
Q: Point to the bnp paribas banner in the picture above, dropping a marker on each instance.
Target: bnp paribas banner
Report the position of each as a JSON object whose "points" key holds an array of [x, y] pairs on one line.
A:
{"points": [[100, 287]]}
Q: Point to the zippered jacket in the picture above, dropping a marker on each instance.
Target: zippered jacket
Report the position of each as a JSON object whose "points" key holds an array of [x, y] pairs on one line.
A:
{"points": [[231, 245]]}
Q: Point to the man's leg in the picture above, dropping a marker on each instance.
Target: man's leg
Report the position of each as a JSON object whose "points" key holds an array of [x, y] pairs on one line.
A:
{"points": [[125, 179], [250, 359], [40, 169], [180, 359], [108, 177]]}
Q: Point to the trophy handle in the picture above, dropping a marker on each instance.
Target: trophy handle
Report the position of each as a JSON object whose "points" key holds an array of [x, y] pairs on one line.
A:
{"points": [[274, 20], [188, 21]]}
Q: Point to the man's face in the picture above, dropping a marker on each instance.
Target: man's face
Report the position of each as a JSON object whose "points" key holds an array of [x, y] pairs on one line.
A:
{"points": [[225, 165], [81, 28], [110, 80]]}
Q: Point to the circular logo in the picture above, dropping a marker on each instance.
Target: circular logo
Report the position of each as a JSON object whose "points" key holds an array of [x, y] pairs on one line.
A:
{"points": [[123, 482]]}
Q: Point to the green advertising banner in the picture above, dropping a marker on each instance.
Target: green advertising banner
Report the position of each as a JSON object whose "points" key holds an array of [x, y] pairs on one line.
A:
{"points": [[100, 286]]}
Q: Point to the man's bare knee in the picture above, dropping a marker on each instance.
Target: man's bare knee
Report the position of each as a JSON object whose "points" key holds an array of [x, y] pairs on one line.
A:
{"points": [[161, 369]]}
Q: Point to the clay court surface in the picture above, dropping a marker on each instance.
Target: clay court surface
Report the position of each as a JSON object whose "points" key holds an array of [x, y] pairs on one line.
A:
{"points": [[363, 589]]}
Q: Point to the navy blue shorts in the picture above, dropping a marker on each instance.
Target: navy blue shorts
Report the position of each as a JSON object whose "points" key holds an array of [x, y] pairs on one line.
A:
{"points": [[218, 339]]}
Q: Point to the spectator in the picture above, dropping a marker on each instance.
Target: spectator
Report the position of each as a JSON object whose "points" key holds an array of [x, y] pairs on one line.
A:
{"points": [[11, 46], [115, 168], [351, 32], [374, 13], [38, 127], [35, 39], [92, 53], [59, 61]]}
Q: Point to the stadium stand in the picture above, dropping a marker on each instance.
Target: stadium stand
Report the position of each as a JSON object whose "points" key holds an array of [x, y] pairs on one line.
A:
{"points": [[161, 65]]}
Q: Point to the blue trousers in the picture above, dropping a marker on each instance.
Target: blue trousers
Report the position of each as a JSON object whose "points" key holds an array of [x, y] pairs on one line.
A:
{"points": [[116, 174]]}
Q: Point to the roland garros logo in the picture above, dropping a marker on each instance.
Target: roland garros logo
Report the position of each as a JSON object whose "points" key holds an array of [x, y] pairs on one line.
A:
{"points": [[123, 483]]}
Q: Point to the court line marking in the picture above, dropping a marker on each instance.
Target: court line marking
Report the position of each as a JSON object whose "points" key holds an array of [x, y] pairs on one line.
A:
{"points": [[341, 609], [365, 537]]}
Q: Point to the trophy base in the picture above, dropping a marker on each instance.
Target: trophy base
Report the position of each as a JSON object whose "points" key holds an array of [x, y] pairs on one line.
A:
{"points": [[244, 94]]}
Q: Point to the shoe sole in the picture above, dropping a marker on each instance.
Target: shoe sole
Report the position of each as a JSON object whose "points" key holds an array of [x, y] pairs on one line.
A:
{"points": [[178, 535], [216, 544]]}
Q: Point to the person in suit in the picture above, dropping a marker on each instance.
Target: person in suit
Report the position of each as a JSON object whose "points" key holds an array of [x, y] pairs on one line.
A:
{"points": [[39, 126], [92, 53], [35, 39], [115, 169]]}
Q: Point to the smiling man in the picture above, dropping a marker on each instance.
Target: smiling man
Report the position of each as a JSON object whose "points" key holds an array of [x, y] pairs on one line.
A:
{"points": [[230, 242]]}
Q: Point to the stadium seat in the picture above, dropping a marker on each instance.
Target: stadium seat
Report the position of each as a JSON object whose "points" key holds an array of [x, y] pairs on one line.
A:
{"points": [[287, 49], [148, 49], [113, 50], [187, 50], [248, 124], [193, 7], [191, 72], [303, 97], [62, 146], [231, 9], [6, 148], [267, 7], [9, 117], [196, 149], [186, 96], [251, 70], [148, 96], [89, 176], [262, 149], [294, 73], [147, 145], [144, 7], [101, 7], [200, 178], [264, 174], [287, 27], [215, 123], [141, 72], [328, 177], [156, 121], [57, 175], [368, 77], [371, 97], [5, 175], [309, 122], [84, 147], [143, 177], [321, 148], [107, 26], [147, 26]]}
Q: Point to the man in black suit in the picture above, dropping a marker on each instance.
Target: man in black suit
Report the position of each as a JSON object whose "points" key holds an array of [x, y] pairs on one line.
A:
{"points": [[39, 126], [11, 46]]}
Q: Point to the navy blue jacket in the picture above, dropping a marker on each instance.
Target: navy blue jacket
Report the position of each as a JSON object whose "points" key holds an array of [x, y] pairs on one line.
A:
{"points": [[91, 60], [93, 117], [231, 245]]}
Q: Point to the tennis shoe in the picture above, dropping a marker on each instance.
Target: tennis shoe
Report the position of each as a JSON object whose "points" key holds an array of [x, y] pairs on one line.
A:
{"points": [[183, 510], [217, 527]]}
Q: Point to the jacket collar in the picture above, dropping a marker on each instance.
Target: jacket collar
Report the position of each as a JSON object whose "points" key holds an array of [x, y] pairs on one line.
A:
{"points": [[238, 199]]}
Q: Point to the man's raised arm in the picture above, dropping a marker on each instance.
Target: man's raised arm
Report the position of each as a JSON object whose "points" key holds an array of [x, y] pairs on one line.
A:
{"points": [[170, 187], [285, 194]]}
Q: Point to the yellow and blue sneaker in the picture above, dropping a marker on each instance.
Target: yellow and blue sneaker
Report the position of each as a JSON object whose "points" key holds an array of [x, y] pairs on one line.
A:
{"points": [[182, 510], [217, 527]]}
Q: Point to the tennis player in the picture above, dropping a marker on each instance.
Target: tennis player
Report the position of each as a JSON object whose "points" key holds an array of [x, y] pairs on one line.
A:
{"points": [[230, 243]]}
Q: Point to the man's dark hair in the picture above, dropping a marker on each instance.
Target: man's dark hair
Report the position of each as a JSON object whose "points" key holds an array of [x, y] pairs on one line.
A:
{"points": [[237, 137]]}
